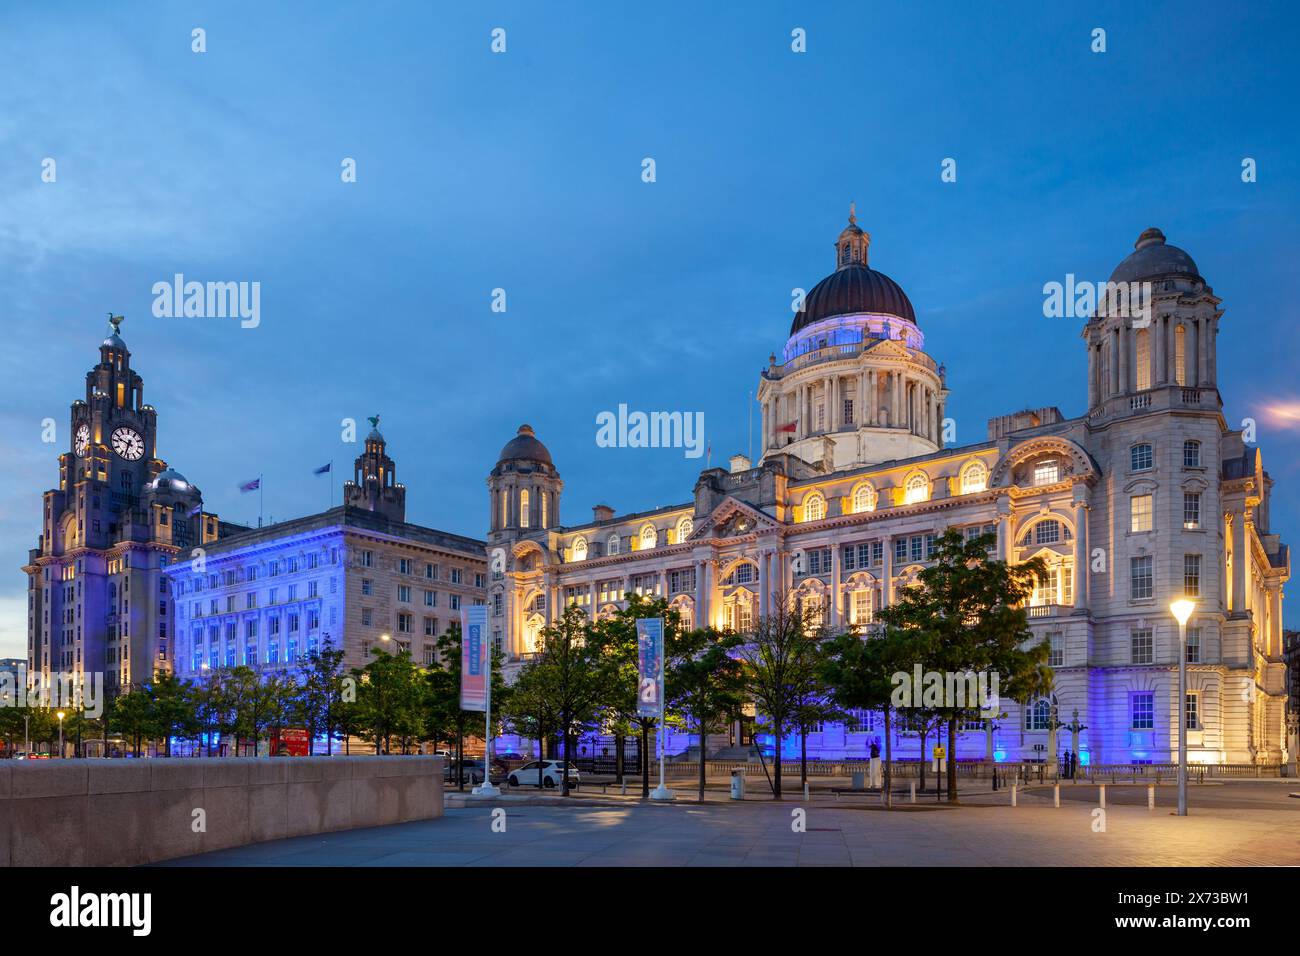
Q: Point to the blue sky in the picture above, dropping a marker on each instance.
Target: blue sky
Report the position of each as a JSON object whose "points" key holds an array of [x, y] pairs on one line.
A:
{"points": [[523, 171]]}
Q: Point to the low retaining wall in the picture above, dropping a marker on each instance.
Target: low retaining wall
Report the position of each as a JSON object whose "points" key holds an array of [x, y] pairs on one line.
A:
{"points": [[124, 812]]}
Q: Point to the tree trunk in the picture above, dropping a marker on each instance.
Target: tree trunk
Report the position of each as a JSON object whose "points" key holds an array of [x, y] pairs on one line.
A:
{"points": [[776, 762], [460, 760], [952, 759], [618, 758], [564, 781]]}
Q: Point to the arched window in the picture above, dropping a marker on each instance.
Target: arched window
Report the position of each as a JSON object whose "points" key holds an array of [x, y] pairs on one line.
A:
{"points": [[580, 549], [1038, 715], [1180, 355], [814, 507], [974, 477], [611, 546], [505, 510], [1140, 457], [864, 499], [1191, 454], [684, 528], [523, 508], [545, 510], [1143, 347], [916, 488], [649, 537]]}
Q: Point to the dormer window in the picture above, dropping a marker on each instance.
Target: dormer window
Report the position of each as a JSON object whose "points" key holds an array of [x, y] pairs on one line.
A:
{"points": [[1047, 472]]}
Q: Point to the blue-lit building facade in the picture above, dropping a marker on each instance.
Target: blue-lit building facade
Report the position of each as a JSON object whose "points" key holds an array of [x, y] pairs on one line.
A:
{"points": [[1145, 497]]}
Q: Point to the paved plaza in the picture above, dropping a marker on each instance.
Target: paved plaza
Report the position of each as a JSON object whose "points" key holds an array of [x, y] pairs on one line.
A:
{"points": [[1233, 824]]}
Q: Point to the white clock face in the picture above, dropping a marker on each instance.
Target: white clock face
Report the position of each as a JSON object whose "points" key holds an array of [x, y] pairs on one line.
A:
{"points": [[81, 441], [128, 443]]}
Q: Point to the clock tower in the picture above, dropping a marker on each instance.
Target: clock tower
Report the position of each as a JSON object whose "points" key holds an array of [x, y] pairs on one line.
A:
{"points": [[98, 600]]}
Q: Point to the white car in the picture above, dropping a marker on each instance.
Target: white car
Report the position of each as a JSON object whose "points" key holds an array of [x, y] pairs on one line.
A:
{"points": [[552, 773]]}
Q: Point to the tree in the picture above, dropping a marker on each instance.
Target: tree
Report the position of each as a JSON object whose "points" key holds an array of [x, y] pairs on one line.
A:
{"points": [[781, 668], [174, 708], [568, 671], [319, 694], [388, 699], [613, 642], [708, 685], [530, 710], [967, 609], [133, 717], [463, 722], [859, 674]]}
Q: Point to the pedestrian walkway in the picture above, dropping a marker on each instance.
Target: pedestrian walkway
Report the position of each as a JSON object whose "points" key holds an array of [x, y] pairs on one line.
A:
{"points": [[756, 833]]}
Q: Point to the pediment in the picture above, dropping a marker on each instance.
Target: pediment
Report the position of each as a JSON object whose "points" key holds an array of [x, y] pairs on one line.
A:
{"points": [[732, 518]]}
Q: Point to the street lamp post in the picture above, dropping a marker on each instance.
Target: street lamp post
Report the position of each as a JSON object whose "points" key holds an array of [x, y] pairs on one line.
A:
{"points": [[1182, 610], [60, 735]]}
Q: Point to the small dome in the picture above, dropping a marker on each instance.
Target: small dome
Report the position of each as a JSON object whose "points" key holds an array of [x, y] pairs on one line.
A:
{"points": [[525, 447], [1153, 258], [850, 290], [114, 341], [169, 479]]}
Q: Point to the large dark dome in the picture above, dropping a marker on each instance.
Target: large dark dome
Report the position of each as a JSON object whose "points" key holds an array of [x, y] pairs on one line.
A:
{"points": [[525, 447], [852, 289], [1153, 258]]}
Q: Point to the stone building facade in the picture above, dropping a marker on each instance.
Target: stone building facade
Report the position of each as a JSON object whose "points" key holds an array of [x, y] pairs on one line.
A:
{"points": [[358, 576], [98, 600], [1147, 497]]}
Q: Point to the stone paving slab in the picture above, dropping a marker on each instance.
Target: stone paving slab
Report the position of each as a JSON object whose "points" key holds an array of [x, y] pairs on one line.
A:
{"points": [[759, 834]]}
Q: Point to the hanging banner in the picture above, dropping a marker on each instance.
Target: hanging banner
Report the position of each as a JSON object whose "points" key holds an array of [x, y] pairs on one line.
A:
{"points": [[650, 666], [474, 660]]}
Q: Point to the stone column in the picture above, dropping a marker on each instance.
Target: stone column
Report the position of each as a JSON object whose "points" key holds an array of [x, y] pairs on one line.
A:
{"points": [[1159, 358], [887, 572], [1121, 341], [1081, 576], [762, 583], [699, 595], [708, 591], [1238, 562], [836, 572]]}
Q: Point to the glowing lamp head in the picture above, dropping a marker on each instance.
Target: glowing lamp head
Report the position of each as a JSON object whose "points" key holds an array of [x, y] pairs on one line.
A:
{"points": [[1182, 610], [385, 637], [60, 715]]}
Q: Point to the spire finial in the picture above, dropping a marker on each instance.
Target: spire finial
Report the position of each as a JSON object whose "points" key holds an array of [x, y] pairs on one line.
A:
{"points": [[853, 216]]}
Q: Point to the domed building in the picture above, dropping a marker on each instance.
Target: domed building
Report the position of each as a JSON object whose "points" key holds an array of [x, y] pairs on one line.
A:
{"points": [[1145, 496]]}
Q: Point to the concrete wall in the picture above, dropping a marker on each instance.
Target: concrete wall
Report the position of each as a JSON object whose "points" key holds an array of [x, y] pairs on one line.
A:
{"points": [[126, 812]]}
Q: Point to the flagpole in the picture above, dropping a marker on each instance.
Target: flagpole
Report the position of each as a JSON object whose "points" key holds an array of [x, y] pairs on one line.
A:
{"points": [[259, 501]]}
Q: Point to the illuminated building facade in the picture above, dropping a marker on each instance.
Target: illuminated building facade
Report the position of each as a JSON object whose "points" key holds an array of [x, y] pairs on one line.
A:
{"points": [[97, 597], [1147, 497], [357, 576]]}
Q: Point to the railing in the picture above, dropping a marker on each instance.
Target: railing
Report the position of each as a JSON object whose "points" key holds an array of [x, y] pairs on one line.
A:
{"points": [[1024, 771], [1139, 401], [1191, 396]]}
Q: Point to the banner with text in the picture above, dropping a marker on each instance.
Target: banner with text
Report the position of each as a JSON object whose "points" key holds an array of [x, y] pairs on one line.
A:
{"points": [[474, 660], [650, 658]]}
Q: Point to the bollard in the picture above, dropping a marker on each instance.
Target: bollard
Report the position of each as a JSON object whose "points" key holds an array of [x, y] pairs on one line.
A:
{"points": [[625, 786], [1014, 789], [913, 786], [1151, 798], [1056, 795], [1103, 797]]}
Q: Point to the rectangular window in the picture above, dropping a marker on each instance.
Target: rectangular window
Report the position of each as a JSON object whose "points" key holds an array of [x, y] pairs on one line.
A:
{"points": [[917, 547], [1139, 508], [1191, 510], [1056, 652], [1191, 454], [1140, 645], [848, 411], [1192, 711], [1144, 711], [1047, 472], [367, 586], [404, 594], [1192, 575], [900, 550], [1193, 645], [1140, 457]]}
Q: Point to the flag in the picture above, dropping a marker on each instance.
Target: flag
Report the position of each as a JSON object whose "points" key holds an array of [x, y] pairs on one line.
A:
{"points": [[792, 427], [251, 485], [197, 509], [323, 469]]}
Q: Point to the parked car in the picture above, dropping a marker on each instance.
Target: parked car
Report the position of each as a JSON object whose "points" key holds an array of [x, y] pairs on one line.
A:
{"points": [[473, 771], [551, 771]]}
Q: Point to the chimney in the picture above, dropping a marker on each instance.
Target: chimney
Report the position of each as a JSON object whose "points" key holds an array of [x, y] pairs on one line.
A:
{"points": [[602, 513]]}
